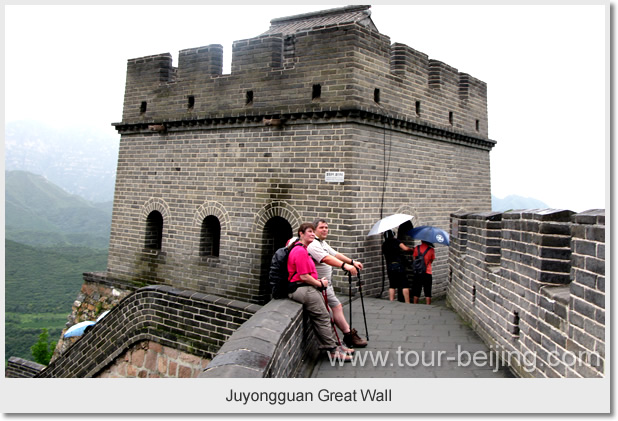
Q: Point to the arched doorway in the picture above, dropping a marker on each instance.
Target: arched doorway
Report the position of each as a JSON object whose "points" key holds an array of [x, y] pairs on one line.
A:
{"points": [[277, 231]]}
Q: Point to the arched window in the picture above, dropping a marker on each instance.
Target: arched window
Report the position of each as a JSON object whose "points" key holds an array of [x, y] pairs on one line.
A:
{"points": [[154, 231], [210, 236]]}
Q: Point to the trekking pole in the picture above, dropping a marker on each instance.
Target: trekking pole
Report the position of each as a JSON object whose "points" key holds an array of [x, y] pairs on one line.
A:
{"points": [[360, 291], [350, 296], [332, 319]]}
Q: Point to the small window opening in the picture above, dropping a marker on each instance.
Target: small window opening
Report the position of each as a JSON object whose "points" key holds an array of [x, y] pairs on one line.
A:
{"points": [[249, 98], [516, 323], [477, 125], [473, 294], [142, 107], [418, 108], [191, 102], [154, 231], [317, 92], [210, 236], [376, 95], [450, 117]]}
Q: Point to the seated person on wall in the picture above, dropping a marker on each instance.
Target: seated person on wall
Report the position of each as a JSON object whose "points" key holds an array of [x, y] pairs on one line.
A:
{"points": [[326, 258], [304, 284]]}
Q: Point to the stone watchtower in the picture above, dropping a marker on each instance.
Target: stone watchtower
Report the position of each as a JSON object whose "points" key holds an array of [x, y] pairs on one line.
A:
{"points": [[215, 172]]}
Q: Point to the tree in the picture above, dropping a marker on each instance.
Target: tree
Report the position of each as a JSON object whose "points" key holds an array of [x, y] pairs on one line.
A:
{"points": [[43, 350]]}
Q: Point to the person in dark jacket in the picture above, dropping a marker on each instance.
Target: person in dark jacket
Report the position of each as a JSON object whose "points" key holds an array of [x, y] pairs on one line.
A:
{"points": [[393, 250]]}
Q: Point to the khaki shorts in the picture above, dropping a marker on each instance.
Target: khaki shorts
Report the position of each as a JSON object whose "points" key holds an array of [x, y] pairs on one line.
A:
{"points": [[333, 301]]}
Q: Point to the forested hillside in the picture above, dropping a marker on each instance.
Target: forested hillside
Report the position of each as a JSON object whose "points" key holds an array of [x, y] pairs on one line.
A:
{"points": [[46, 279], [52, 238], [41, 284]]}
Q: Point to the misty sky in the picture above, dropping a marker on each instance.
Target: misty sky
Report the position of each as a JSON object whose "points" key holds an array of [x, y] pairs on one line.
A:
{"points": [[546, 67]]}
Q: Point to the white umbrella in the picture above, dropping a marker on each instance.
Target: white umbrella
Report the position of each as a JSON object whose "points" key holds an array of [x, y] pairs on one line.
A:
{"points": [[389, 222]]}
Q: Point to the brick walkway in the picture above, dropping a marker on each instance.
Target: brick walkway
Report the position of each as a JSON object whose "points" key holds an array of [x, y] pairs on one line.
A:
{"points": [[407, 340]]}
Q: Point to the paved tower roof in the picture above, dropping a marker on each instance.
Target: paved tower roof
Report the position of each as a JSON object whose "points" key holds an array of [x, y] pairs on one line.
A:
{"points": [[342, 15]]}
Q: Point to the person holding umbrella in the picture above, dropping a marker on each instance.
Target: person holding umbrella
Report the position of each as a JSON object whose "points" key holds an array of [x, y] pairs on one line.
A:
{"points": [[424, 280], [429, 236], [392, 249], [386, 225]]}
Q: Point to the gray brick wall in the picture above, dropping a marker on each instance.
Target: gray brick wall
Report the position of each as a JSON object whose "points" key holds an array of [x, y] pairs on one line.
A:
{"points": [[219, 158], [586, 308], [19, 368], [277, 342], [532, 283]]}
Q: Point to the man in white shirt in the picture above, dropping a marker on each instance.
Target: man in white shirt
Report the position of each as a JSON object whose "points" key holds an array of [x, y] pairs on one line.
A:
{"points": [[326, 258]]}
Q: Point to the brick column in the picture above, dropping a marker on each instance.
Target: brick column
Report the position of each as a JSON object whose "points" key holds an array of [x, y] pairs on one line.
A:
{"points": [[587, 305], [536, 245], [484, 236]]}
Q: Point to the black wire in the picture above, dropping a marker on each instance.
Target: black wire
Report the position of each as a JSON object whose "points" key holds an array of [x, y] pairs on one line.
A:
{"points": [[386, 165]]}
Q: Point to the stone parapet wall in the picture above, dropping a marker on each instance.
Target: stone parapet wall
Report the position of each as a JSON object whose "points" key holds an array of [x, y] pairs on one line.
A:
{"points": [[19, 368], [187, 321], [532, 283], [586, 306], [277, 342]]}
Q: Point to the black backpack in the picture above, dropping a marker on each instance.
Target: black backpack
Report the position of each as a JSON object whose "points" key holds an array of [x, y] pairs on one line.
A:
{"points": [[278, 276], [418, 264]]}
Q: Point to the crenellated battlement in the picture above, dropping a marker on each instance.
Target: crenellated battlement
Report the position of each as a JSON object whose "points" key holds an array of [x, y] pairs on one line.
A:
{"points": [[532, 282], [347, 64], [201, 62]]}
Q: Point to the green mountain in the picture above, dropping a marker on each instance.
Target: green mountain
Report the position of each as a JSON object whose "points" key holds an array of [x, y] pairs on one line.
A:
{"points": [[51, 239], [37, 212], [46, 279], [80, 159]]}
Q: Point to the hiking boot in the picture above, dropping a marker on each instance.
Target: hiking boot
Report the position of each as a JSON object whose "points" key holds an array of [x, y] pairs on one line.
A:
{"points": [[352, 339]]}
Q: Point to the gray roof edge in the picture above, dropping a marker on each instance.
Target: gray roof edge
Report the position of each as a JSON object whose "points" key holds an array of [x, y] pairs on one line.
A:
{"points": [[327, 12]]}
